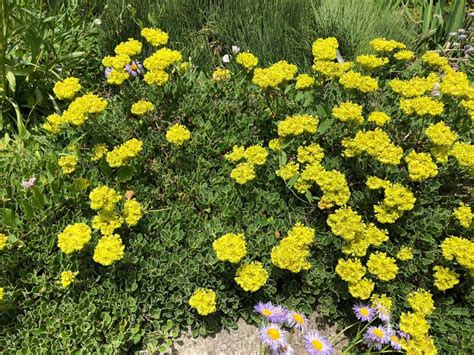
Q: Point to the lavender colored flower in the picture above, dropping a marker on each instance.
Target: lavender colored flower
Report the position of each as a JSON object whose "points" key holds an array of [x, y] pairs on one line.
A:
{"points": [[273, 336], [265, 309], [395, 342], [383, 313], [363, 313], [316, 344], [134, 68], [284, 350], [377, 337], [296, 320], [28, 184], [279, 315], [462, 37], [107, 72]]}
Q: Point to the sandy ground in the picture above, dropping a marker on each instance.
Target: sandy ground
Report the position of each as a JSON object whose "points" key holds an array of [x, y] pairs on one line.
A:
{"points": [[243, 341]]}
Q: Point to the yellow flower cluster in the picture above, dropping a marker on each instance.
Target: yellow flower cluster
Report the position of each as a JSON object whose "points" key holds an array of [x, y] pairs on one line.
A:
{"points": [[230, 247], [422, 106], [382, 266], [379, 118], [221, 74], [117, 62], [463, 215], [117, 76], [375, 143], [442, 138], [156, 77], [333, 185], [292, 252], [348, 111], [370, 61], [162, 59], [445, 278], [274, 75], [104, 198], [397, 200], [251, 276], [177, 134], [456, 84], [404, 55], [107, 222], [109, 249], [74, 238], [67, 278], [420, 166], [98, 152], [275, 144], [3, 241], [434, 59], [325, 48], [132, 212], [76, 114], [385, 45], [131, 47], [304, 81], [356, 81], [141, 107], [414, 324], [287, 171], [155, 36], [361, 289], [245, 172], [67, 88], [350, 270], [405, 253], [247, 60], [464, 154], [2, 293], [68, 163], [414, 87], [461, 250], [122, 154], [297, 124], [204, 301], [382, 301], [332, 70], [311, 154], [421, 301], [346, 223]]}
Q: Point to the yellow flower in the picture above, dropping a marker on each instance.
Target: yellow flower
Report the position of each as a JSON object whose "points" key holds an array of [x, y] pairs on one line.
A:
{"points": [[405, 253], [132, 212], [404, 55], [304, 81], [385, 45], [204, 301], [2, 293], [117, 76], [122, 154], [414, 324], [420, 166], [325, 48], [370, 61], [460, 249], [68, 163], [463, 215], [445, 278], [256, 155], [156, 77], [108, 250], [345, 223], [67, 278], [131, 47], [162, 59], [98, 152], [382, 266], [311, 154], [298, 124], [350, 270], [287, 171], [274, 145], [414, 87], [67, 88], [332, 70], [348, 111], [275, 75], [464, 154], [236, 154], [142, 107], [421, 301], [247, 60], [434, 59], [440, 134], [243, 173], [381, 300], [107, 222], [230, 247], [74, 238], [251, 276], [177, 134], [422, 106], [361, 289], [353, 80], [3, 241], [379, 118], [221, 74], [53, 123], [104, 198], [155, 36]]}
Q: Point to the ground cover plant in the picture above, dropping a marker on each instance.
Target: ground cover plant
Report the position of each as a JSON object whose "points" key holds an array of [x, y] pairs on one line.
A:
{"points": [[175, 197]]}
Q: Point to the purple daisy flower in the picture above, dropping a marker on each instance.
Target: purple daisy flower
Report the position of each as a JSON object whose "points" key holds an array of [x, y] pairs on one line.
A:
{"points": [[28, 184], [279, 315], [284, 350], [107, 72], [403, 335], [265, 309], [363, 313], [377, 337], [296, 320], [395, 342], [315, 344], [383, 313], [134, 68], [273, 336]]}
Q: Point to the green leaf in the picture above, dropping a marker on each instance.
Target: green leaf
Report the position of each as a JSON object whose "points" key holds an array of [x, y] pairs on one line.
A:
{"points": [[325, 125], [124, 173]]}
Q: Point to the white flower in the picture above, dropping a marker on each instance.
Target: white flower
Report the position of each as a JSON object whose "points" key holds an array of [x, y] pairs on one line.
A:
{"points": [[226, 59], [235, 49], [98, 22]]}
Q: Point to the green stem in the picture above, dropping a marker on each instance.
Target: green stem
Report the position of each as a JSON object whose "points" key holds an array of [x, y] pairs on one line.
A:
{"points": [[3, 47]]}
